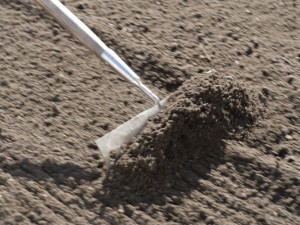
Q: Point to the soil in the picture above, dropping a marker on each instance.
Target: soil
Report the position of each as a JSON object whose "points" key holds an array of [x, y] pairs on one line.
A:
{"points": [[57, 98]]}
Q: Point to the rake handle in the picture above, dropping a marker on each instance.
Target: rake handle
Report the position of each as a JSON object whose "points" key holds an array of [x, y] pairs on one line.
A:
{"points": [[74, 25], [87, 37]]}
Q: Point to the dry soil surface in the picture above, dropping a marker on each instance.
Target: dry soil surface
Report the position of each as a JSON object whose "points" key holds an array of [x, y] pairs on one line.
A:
{"points": [[57, 98]]}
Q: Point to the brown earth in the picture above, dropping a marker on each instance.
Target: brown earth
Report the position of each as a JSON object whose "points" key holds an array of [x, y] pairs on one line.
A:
{"points": [[57, 98]]}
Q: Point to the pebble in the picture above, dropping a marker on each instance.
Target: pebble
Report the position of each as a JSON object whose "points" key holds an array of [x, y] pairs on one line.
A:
{"points": [[121, 209], [249, 51], [43, 222], [3, 181], [174, 47], [90, 189], [80, 6], [291, 79], [288, 137], [243, 195], [44, 196], [265, 91], [209, 220], [248, 11], [291, 159], [235, 36]]}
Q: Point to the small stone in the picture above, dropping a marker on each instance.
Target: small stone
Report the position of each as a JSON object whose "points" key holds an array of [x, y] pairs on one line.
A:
{"points": [[291, 159], [90, 189], [265, 73], [4, 83], [288, 137], [121, 209], [209, 220], [55, 111], [283, 152], [291, 79], [243, 195], [200, 39], [136, 144], [44, 196], [55, 32], [95, 147], [233, 35], [174, 47], [43, 222], [265, 91], [80, 6], [100, 163], [3, 180], [249, 51], [248, 11], [72, 182], [255, 42]]}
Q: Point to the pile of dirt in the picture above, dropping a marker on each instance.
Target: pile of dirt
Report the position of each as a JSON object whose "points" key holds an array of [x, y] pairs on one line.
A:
{"points": [[203, 112]]}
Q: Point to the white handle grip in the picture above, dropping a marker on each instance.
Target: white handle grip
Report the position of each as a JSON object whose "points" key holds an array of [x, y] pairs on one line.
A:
{"points": [[74, 25]]}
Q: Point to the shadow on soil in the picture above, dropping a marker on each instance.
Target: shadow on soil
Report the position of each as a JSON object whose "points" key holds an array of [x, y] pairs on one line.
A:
{"points": [[121, 188], [50, 170]]}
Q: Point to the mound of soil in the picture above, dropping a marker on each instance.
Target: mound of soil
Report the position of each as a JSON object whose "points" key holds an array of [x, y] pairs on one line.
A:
{"points": [[203, 112]]}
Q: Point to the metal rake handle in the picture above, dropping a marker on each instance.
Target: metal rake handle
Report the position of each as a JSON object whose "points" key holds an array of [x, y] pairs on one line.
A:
{"points": [[74, 25], [78, 29]]}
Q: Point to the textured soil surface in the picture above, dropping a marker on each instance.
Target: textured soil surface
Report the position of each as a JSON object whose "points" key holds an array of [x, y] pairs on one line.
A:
{"points": [[214, 161]]}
